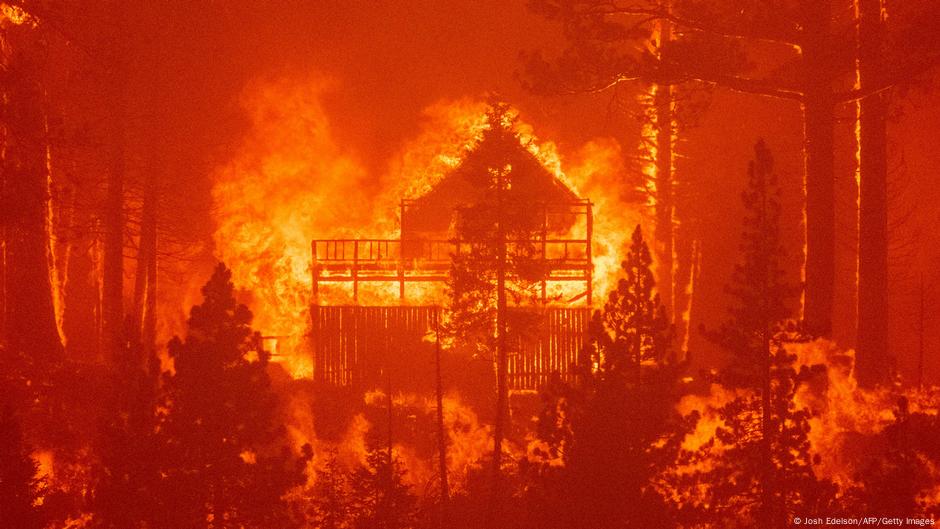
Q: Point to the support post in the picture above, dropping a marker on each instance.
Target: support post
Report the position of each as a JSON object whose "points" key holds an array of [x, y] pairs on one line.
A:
{"points": [[355, 272], [401, 276], [315, 274], [589, 271], [545, 271]]}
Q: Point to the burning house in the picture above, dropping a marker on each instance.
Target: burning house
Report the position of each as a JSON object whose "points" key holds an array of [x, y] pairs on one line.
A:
{"points": [[500, 230]]}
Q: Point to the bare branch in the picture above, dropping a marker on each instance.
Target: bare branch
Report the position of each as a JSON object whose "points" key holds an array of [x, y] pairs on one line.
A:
{"points": [[789, 39]]}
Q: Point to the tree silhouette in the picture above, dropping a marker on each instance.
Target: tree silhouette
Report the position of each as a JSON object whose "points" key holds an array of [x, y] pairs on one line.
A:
{"points": [[759, 289], [380, 499], [896, 46], [821, 54], [129, 451], [227, 455], [616, 429], [331, 508], [601, 54], [900, 468], [761, 472], [498, 263], [633, 315], [28, 321], [21, 488]]}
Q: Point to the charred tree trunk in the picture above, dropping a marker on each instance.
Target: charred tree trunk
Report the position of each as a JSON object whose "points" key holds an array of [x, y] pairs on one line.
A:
{"points": [[665, 203], [819, 122], [921, 329], [820, 218], [112, 281], [502, 387], [441, 434], [767, 463], [30, 318], [149, 325], [146, 274], [665, 189], [112, 309], [872, 358]]}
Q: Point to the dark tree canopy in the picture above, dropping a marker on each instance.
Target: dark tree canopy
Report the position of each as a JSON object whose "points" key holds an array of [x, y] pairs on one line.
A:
{"points": [[634, 318], [380, 499], [21, 488], [227, 454], [899, 469], [616, 429], [758, 468], [761, 295]]}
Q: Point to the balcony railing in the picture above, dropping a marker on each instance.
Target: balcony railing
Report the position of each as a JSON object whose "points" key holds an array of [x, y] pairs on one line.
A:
{"points": [[561, 259]]}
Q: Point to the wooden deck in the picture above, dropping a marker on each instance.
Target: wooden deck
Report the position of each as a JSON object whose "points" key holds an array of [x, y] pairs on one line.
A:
{"points": [[352, 344]]}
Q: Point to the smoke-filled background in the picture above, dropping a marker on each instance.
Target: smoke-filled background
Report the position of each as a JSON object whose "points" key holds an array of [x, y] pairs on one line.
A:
{"points": [[308, 102], [242, 131]]}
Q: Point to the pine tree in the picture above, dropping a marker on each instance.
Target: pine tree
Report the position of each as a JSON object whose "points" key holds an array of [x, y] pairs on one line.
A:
{"points": [[763, 473], [228, 458], [759, 289], [381, 500], [901, 471], [616, 429], [331, 500], [20, 486], [498, 263], [633, 314], [128, 451]]}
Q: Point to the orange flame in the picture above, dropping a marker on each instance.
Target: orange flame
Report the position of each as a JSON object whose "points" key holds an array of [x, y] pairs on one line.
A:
{"points": [[291, 183], [841, 409]]}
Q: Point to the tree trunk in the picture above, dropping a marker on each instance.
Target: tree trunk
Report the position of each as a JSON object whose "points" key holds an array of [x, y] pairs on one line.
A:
{"points": [[146, 274], [767, 464], [58, 225], [112, 295], [665, 200], [819, 121], [30, 318], [502, 389], [441, 434], [872, 358]]}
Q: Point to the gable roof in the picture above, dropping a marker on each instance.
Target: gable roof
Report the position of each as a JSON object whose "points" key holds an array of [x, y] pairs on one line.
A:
{"points": [[527, 181]]}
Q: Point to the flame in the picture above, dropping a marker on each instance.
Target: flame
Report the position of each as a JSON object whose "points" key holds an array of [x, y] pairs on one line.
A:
{"points": [[46, 461], [841, 410], [468, 441], [449, 130], [708, 407], [595, 170], [291, 183], [15, 15], [845, 408], [686, 321], [857, 172], [58, 260]]}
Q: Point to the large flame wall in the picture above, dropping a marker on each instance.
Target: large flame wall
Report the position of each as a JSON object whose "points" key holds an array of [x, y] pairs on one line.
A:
{"points": [[291, 182]]}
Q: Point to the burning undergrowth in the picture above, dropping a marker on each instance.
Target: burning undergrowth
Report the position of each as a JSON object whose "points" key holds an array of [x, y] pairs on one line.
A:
{"points": [[847, 425], [346, 425]]}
